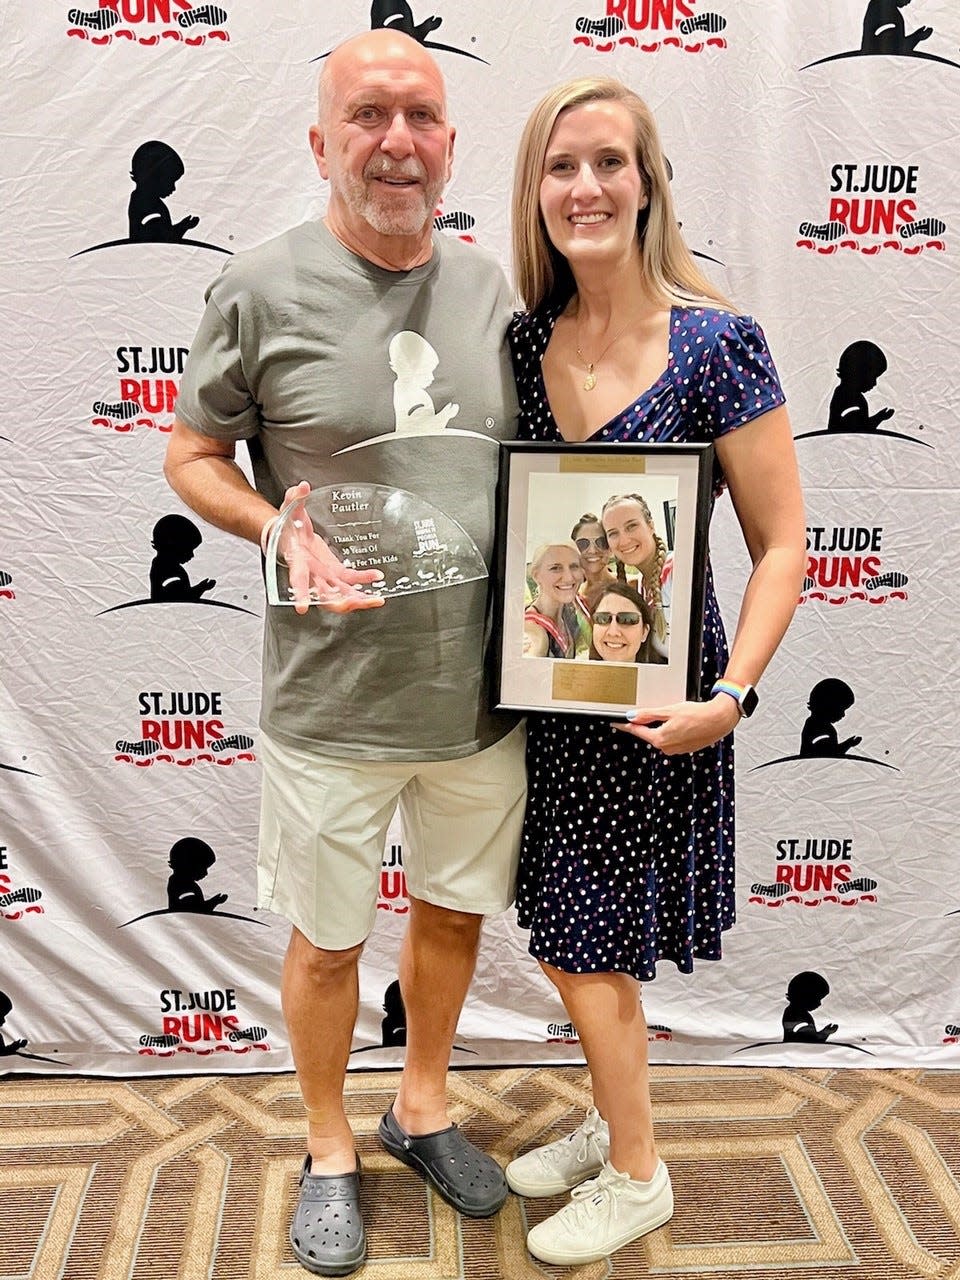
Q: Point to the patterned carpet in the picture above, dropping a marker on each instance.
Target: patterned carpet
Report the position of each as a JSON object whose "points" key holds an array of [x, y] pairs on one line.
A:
{"points": [[780, 1174]]}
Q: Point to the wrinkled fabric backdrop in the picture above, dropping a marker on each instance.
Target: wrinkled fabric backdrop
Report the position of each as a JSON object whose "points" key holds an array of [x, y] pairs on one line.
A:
{"points": [[817, 181]]}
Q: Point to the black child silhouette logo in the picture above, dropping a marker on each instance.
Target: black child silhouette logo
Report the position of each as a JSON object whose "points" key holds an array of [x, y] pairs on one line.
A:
{"points": [[16, 1047], [175, 540], [828, 703], [190, 860], [859, 369], [806, 992], [397, 15], [830, 700], [8, 1047], [884, 32], [393, 1024], [155, 170]]}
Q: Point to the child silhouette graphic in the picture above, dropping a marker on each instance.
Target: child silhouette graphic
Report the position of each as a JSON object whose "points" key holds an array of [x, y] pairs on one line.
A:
{"points": [[806, 992], [884, 30], [414, 361], [828, 703], [859, 367], [175, 539], [398, 16], [190, 860], [393, 1027], [155, 169], [14, 1046]]}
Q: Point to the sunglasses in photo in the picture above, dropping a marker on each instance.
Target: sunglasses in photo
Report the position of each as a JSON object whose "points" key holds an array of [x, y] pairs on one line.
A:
{"points": [[623, 619], [584, 544]]}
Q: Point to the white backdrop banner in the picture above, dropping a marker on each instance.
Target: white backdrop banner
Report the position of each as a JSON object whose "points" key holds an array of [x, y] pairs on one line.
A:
{"points": [[814, 155]]}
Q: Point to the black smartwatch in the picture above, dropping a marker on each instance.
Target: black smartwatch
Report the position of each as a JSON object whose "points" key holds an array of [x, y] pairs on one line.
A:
{"points": [[744, 695]]}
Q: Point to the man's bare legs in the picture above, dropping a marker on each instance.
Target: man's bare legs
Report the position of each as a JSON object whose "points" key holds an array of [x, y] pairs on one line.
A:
{"points": [[320, 993], [437, 961], [605, 1008]]}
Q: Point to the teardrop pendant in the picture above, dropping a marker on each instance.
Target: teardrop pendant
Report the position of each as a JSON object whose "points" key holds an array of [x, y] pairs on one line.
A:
{"points": [[590, 381]]}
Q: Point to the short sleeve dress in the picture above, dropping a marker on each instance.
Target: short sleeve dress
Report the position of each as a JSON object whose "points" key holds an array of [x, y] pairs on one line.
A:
{"points": [[628, 854]]}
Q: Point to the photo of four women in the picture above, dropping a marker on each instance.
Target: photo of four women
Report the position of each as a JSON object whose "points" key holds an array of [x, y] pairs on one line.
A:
{"points": [[604, 594]]}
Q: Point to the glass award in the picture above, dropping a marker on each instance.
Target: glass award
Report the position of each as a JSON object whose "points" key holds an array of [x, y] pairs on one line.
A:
{"points": [[413, 544]]}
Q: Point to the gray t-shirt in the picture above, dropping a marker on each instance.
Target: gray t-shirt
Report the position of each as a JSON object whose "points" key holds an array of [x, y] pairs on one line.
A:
{"points": [[293, 354]]}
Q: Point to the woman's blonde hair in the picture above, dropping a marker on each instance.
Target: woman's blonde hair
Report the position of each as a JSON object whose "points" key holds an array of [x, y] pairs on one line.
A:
{"points": [[541, 273], [539, 554]]}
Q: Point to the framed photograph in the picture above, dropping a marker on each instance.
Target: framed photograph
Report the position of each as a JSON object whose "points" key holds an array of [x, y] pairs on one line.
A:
{"points": [[602, 566]]}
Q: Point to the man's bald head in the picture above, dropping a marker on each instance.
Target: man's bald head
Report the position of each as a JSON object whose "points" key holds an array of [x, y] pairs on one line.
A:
{"points": [[372, 48], [384, 144]]}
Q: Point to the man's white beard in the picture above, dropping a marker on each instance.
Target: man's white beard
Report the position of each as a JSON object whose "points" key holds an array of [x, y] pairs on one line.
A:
{"points": [[406, 213]]}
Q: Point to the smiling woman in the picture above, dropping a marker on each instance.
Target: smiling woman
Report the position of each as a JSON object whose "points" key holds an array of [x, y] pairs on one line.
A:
{"points": [[621, 627], [628, 525], [627, 855], [591, 541], [553, 622], [592, 192]]}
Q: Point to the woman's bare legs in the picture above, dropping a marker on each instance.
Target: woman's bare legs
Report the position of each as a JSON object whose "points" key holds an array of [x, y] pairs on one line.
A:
{"points": [[606, 1010]]}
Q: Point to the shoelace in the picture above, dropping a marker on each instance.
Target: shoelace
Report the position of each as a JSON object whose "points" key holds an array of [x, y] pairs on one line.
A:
{"points": [[600, 1190], [589, 1129]]}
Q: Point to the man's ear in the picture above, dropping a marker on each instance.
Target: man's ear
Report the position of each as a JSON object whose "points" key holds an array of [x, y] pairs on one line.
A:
{"points": [[317, 147], [453, 136]]}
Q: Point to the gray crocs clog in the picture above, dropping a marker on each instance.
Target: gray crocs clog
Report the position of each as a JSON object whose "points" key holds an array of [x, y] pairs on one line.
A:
{"points": [[327, 1233], [466, 1178]]}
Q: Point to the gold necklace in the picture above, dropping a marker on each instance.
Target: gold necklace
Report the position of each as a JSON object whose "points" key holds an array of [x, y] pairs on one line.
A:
{"points": [[590, 381]]}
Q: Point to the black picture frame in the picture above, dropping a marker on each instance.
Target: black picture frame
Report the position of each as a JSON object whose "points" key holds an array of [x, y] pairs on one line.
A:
{"points": [[544, 490]]}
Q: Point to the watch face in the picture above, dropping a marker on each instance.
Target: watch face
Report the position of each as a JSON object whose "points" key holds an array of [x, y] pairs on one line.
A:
{"points": [[748, 703]]}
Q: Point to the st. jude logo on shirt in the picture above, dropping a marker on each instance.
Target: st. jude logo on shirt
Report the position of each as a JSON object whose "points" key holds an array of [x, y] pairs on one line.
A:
{"points": [[413, 362]]}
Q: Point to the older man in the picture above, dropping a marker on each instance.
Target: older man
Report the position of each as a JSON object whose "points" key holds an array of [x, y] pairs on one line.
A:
{"points": [[368, 703]]}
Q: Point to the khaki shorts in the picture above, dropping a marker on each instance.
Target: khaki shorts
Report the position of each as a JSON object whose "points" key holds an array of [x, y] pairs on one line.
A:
{"points": [[324, 822]]}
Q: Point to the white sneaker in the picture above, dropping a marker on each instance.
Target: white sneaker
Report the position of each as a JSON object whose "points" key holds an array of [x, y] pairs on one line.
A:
{"points": [[560, 1165], [603, 1215]]}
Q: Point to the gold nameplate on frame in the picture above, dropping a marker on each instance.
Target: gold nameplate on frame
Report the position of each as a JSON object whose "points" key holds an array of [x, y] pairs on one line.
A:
{"points": [[594, 682], [590, 464]]}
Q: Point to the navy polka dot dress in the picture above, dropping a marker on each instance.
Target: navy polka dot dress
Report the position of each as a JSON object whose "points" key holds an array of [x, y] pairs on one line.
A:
{"points": [[628, 854]]}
